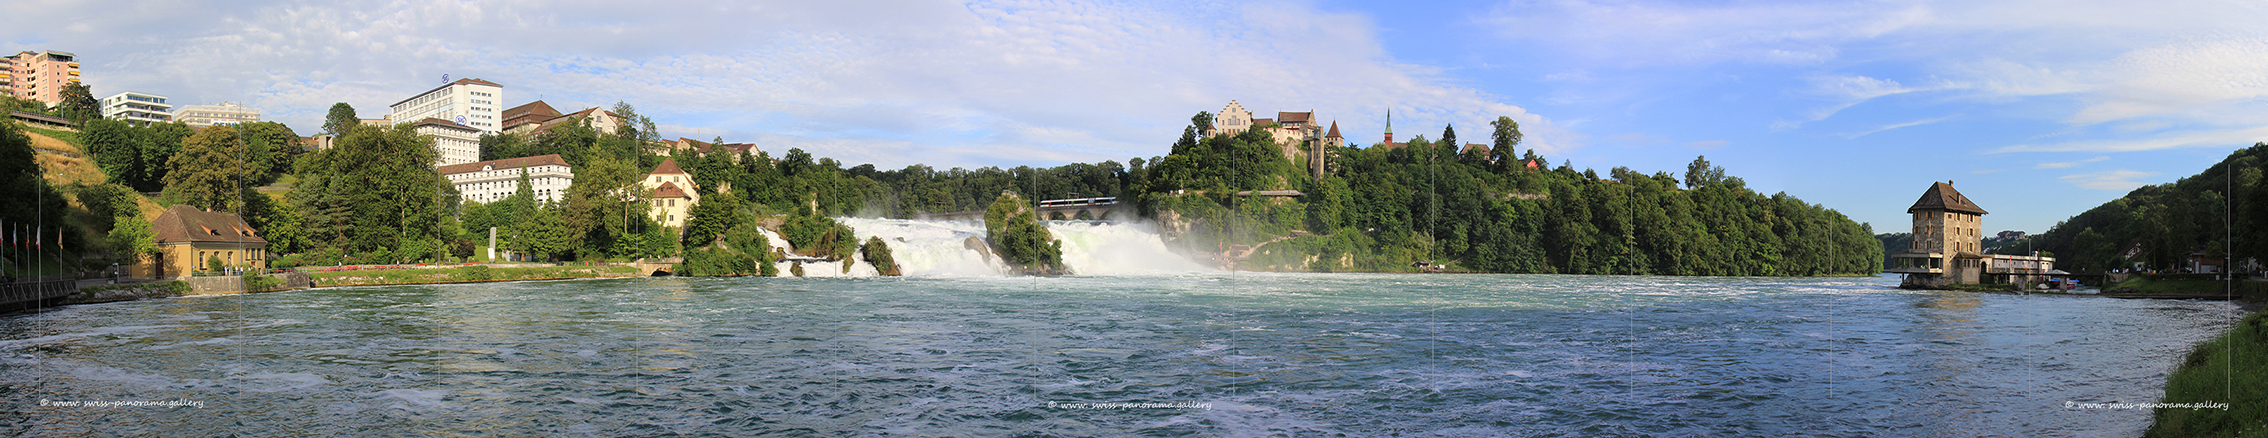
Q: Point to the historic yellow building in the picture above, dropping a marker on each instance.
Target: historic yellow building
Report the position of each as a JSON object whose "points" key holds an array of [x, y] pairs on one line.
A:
{"points": [[188, 239]]}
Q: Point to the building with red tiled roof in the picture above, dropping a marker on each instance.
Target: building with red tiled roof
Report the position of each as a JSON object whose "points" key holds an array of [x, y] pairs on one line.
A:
{"points": [[527, 116], [188, 239], [674, 193], [493, 180]]}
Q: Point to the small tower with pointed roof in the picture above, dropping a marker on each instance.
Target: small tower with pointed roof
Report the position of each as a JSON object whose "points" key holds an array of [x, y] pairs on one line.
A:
{"points": [[1389, 126]]}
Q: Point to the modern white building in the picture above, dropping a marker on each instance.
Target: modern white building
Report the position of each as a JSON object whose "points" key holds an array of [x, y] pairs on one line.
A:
{"points": [[494, 180], [226, 113], [139, 108], [470, 102], [458, 144]]}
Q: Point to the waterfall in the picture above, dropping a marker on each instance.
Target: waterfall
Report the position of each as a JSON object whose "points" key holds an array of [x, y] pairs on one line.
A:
{"points": [[925, 248]]}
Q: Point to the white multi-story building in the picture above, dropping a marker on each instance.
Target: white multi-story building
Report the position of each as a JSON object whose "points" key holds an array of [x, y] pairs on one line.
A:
{"points": [[469, 102], [494, 180], [143, 108], [458, 144], [226, 113]]}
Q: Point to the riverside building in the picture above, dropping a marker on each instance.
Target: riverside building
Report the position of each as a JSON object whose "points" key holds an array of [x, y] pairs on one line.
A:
{"points": [[1946, 248]]}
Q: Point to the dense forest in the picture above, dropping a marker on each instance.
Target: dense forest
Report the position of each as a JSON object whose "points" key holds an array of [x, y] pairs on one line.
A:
{"points": [[2163, 224], [1385, 208]]}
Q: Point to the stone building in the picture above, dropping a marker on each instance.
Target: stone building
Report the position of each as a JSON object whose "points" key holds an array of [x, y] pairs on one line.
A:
{"points": [[1946, 248], [1298, 135], [188, 239]]}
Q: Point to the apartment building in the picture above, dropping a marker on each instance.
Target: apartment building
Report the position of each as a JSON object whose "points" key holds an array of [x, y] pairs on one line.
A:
{"points": [[226, 113], [39, 76], [137, 108], [494, 180], [470, 102]]}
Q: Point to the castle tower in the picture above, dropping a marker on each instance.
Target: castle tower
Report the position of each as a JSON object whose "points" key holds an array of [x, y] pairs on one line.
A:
{"points": [[1948, 230]]}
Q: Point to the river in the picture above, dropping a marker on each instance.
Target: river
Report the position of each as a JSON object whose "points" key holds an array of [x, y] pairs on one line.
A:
{"points": [[1213, 354]]}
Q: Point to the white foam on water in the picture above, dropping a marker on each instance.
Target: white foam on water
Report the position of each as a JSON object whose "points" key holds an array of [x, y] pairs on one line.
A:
{"points": [[926, 248]]}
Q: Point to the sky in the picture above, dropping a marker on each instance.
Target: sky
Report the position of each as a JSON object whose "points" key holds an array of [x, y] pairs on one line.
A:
{"points": [[2036, 110]]}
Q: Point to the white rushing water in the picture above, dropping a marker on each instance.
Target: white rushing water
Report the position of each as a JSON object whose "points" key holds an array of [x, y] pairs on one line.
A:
{"points": [[940, 248]]}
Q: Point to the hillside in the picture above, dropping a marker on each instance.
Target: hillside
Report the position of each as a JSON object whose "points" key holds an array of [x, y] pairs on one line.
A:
{"points": [[2160, 226], [62, 161]]}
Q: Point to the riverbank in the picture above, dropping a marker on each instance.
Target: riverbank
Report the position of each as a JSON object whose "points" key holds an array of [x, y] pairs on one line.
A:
{"points": [[2229, 373], [465, 274], [2230, 370]]}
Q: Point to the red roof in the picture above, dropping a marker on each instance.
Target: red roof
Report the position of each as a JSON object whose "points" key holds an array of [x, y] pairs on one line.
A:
{"points": [[508, 163], [1334, 131], [1289, 118], [668, 166], [669, 190], [1471, 147]]}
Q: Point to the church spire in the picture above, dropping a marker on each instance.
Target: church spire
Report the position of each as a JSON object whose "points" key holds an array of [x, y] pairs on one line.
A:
{"points": [[1389, 126]]}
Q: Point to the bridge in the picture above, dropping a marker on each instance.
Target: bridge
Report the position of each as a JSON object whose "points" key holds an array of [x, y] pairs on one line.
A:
{"points": [[26, 293], [1106, 208]]}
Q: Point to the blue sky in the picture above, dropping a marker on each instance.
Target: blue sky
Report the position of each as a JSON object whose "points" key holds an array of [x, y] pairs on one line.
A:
{"points": [[2036, 109]]}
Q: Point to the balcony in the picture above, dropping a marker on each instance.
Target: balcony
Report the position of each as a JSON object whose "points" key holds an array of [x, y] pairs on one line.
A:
{"points": [[74, 65]]}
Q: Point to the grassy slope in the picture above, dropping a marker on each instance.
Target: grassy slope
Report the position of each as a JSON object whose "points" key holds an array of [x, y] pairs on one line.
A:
{"points": [[2233, 370], [61, 159]]}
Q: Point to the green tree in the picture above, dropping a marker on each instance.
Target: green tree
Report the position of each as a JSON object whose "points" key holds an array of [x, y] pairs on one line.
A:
{"points": [[79, 104], [115, 149], [157, 144], [109, 201], [1700, 173], [208, 171], [340, 119], [131, 237], [1505, 136], [544, 235]]}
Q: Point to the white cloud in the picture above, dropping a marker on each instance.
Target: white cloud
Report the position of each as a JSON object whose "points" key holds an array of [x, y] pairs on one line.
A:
{"points": [[2115, 180], [1627, 33], [1897, 125], [2217, 138], [2069, 164], [950, 84]]}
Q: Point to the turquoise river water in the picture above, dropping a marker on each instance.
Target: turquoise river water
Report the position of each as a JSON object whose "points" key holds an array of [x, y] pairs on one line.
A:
{"points": [[1206, 354]]}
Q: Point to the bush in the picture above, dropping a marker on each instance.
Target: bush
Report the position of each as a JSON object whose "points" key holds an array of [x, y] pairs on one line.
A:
{"points": [[878, 253]]}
